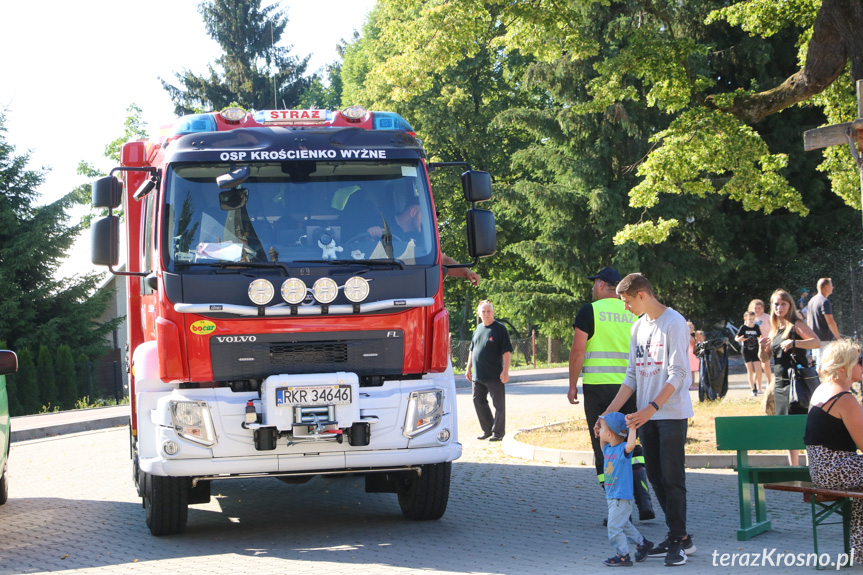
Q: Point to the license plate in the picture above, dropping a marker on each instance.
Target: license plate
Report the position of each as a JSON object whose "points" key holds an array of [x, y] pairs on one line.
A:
{"points": [[314, 395]]}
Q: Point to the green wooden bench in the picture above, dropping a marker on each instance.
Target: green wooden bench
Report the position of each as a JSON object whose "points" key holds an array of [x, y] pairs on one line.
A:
{"points": [[760, 432]]}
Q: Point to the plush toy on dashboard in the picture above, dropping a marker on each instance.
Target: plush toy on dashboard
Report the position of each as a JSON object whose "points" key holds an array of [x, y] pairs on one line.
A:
{"points": [[328, 244]]}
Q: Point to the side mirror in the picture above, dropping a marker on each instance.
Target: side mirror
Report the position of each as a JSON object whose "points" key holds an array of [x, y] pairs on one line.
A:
{"points": [[8, 362], [105, 241], [481, 234], [476, 185], [107, 192]]}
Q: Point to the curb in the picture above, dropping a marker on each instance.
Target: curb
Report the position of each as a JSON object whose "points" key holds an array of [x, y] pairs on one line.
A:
{"points": [[520, 377], [30, 427], [515, 448]]}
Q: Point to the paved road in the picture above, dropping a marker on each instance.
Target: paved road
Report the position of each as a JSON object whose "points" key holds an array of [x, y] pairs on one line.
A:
{"points": [[73, 508]]}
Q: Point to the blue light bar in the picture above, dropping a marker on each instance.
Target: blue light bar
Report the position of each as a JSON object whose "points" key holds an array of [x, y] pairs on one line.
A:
{"points": [[390, 121], [194, 123]]}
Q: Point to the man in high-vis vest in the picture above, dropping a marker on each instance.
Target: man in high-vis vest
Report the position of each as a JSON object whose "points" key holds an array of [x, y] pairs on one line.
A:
{"points": [[600, 352]]}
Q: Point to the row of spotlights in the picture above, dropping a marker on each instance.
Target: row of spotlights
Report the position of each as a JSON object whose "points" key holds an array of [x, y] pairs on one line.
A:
{"points": [[294, 290]]}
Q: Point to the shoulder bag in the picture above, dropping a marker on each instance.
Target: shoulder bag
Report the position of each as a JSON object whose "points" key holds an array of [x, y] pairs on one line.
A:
{"points": [[804, 379]]}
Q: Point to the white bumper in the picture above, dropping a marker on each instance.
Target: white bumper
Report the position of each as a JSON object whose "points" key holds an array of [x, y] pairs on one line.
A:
{"points": [[383, 408]]}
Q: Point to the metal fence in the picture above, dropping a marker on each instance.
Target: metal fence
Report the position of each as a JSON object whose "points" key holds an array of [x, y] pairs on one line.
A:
{"points": [[526, 352]]}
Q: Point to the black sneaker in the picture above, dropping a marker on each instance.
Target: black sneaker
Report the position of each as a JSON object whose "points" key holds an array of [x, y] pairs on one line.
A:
{"points": [[676, 555], [643, 550], [661, 550], [619, 561]]}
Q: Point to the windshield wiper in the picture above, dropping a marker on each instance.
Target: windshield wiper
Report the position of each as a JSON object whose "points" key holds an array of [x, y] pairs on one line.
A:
{"points": [[369, 263], [222, 264]]}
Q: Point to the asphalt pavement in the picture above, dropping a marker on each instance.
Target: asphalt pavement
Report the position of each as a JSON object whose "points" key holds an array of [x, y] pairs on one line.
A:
{"points": [[73, 509]]}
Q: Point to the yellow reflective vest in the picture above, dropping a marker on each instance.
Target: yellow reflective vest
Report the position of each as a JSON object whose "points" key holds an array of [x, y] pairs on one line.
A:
{"points": [[607, 352]]}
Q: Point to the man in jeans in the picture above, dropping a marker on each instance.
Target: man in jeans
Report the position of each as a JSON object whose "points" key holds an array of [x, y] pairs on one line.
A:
{"points": [[658, 374]]}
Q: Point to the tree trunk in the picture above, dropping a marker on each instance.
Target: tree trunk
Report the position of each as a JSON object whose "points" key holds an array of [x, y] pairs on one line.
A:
{"points": [[836, 38]]}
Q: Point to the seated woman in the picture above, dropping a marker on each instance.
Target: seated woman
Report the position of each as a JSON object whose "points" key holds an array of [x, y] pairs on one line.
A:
{"points": [[834, 429]]}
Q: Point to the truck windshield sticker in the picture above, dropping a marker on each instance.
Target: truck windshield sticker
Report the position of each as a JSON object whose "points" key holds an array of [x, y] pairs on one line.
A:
{"points": [[283, 154]]}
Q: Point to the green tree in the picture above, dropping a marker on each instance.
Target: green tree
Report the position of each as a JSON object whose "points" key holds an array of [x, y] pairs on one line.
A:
{"points": [[453, 116], [67, 384], [35, 307], [49, 395], [253, 70], [83, 375], [662, 55], [27, 383]]}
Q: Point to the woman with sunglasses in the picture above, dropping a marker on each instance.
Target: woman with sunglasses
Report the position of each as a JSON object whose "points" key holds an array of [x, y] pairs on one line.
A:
{"points": [[788, 340], [834, 429]]}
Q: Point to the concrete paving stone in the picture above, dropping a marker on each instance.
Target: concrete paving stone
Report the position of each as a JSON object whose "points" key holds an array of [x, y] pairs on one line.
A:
{"points": [[73, 509]]}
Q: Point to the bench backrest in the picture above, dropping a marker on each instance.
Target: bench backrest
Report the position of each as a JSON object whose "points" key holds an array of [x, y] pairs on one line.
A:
{"points": [[765, 432]]}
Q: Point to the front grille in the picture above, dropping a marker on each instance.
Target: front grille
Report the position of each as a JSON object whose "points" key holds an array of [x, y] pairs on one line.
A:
{"points": [[308, 353], [366, 353]]}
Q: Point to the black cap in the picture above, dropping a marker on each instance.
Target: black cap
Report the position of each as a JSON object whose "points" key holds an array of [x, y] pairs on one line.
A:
{"points": [[608, 275]]}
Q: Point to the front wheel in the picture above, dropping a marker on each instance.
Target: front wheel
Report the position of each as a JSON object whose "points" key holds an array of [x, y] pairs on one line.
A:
{"points": [[166, 501], [424, 496]]}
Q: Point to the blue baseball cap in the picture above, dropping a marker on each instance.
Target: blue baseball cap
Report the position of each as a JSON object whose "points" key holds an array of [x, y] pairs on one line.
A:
{"points": [[616, 422]]}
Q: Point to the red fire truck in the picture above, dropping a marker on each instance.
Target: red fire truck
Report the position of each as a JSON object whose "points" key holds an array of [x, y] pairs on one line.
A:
{"points": [[285, 305]]}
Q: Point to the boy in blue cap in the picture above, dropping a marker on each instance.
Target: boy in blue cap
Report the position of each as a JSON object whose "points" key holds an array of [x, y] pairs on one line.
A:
{"points": [[617, 445]]}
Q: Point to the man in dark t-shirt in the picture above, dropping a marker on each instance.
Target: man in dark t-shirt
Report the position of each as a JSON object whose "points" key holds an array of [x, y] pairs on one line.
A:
{"points": [[488, 371], [820, 318]]}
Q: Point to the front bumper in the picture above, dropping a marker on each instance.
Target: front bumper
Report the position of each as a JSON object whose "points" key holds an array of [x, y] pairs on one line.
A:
{"points": [[384, 408]]}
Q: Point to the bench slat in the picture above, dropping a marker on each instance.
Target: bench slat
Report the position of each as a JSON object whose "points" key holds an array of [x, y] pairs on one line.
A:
{"points": [[808, 488]]}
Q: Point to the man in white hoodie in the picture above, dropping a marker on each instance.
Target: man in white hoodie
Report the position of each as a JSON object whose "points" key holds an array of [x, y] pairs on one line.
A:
{"points": [[658, 374]]}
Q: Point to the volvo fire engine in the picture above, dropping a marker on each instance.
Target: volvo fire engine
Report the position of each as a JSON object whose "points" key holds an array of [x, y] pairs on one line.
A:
{"points": [[285, 305]]}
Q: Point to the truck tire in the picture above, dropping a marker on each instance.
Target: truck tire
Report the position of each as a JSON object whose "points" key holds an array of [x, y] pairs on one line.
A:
{"points": [[424, 497], [166, 501]]}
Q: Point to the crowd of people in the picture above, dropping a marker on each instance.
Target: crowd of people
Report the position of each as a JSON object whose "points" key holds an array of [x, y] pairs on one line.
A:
{"points": [[635, 358]]}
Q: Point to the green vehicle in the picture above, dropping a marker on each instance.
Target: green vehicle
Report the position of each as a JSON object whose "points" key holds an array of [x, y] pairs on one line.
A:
{"points": [[8, 364]]}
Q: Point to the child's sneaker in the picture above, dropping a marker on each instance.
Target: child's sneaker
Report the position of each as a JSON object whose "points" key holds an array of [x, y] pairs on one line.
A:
{"points": [[754, 393], [661, 550], [643, 550], [619, 561]]}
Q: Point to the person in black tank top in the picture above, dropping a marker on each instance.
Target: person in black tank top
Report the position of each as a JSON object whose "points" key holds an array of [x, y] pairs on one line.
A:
{"points": [[788, 340], [834, 429]]}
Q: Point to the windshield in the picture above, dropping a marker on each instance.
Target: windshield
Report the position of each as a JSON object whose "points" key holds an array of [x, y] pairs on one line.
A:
{"points": [[300, 211]]}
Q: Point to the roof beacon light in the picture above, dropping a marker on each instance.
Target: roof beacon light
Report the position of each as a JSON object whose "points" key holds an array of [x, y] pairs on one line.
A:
{"points": [[233, 115], [194, 124], [354, 113]]}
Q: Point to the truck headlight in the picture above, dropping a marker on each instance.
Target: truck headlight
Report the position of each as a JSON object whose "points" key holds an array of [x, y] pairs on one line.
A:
{"points": [[192, 421], [425, 410]]}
